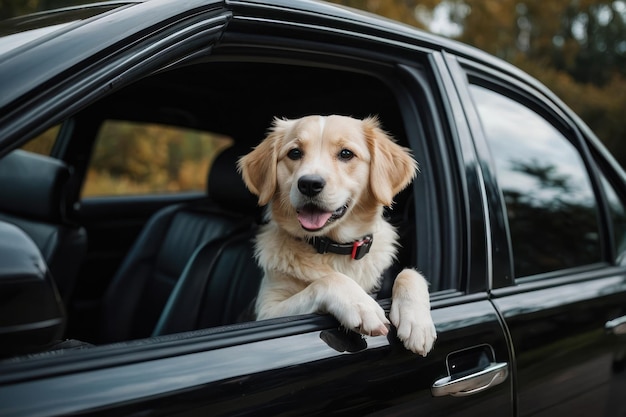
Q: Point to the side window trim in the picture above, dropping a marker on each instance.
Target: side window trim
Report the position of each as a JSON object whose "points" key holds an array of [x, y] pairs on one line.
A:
{"points": [[63, 139], [498, 271], [478, 271], [610, 174], [440, 210]]}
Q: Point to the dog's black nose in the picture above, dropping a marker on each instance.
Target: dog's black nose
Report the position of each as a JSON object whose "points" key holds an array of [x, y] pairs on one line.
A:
{"points": [[311, 185]]}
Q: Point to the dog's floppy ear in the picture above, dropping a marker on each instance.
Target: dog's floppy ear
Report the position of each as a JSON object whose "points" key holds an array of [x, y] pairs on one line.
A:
{"points": [[392, 167], [258, 168]]}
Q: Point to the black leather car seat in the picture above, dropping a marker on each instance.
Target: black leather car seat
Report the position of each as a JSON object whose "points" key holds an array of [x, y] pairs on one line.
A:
{"points": [[36, 197], [140, 289], [31, 311], [217, 287]]}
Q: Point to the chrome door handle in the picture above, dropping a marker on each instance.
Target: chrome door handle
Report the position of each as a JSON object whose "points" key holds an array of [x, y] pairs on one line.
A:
{"points": [[494, 374], [616, 326]]}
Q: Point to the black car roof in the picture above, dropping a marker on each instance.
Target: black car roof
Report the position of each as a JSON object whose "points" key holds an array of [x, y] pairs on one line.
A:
{"points": [[314, 10], [70, 38]]}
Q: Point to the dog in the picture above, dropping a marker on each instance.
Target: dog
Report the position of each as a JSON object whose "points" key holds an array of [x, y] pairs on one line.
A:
{"points": [[325, 181]]}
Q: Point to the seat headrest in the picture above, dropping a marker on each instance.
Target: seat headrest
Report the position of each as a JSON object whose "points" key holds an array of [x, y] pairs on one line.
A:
{"points": [[225, 185], [33, 186], [31, 310]]}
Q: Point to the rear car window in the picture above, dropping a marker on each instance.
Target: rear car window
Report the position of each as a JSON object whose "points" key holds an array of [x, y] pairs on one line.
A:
{"points": [[131, 158], [551, 207]]}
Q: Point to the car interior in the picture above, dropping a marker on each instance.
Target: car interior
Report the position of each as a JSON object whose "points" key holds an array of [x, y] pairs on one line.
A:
{"points": [[40, 205], [174, 264]]}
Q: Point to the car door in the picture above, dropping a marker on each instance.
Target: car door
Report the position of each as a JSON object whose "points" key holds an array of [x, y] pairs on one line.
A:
{"points": [[307, 365], [563, 297]]}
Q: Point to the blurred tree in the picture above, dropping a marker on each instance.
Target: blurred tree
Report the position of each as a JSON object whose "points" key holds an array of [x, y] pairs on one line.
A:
{"points": [[576, 47], [599, 29], [400, 10], [585, 38], [135, 158], [488, 25]]}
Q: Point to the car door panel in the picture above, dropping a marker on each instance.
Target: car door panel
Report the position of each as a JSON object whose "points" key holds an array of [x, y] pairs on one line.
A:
{"points": [[275, 367], [557, 311], [567, 362]]}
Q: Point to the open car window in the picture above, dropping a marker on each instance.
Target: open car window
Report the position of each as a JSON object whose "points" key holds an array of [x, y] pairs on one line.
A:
{"points": [[163, 134]]}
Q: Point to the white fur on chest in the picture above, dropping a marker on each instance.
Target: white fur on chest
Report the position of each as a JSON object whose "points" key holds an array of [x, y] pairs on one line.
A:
{"points": [[280, 254]]}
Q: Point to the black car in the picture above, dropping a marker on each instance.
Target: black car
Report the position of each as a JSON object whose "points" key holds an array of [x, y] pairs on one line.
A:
{"points": [[126, 234]]}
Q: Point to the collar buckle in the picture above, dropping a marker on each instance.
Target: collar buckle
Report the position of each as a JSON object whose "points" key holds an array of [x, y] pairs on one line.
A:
{"points": [[357, 249], [360, 248]]}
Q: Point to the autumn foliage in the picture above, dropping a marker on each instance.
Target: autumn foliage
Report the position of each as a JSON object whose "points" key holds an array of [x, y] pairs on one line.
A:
{"points": [[577, 48]]}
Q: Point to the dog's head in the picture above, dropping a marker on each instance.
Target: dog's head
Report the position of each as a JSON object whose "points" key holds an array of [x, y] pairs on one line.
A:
{"points": [[320, 171]]}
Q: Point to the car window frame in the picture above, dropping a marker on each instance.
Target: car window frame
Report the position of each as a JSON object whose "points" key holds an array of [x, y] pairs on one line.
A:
{"points": [[609, 170], [247, 332], [212, 338], [200, 345], [363, 53], [188, 36], [451, 211]]}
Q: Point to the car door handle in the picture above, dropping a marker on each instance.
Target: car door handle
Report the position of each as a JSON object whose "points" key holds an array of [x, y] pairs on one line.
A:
{"points": [[616, 326], [494, 374]]}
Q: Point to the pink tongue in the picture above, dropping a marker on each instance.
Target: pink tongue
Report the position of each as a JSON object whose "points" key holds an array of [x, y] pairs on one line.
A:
{"points": [[313, 219]]}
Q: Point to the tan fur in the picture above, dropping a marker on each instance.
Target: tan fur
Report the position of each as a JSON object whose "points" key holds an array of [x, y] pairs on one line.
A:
{"points": [[298, 280]]}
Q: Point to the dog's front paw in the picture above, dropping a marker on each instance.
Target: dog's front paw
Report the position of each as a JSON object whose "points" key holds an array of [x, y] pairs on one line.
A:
{"points": [[364, 316], [372, 319], [415, 326]]}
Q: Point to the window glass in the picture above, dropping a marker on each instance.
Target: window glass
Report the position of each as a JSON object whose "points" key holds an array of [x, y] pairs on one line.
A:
{"points": [[139, 158], [43, 143], [550, 202]]}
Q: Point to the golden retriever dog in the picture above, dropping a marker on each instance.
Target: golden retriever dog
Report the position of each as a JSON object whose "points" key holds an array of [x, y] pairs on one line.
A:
{"points": [[326, 180]]}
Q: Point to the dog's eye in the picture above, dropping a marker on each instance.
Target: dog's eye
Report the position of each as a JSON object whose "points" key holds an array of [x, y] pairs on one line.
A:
{"points": [[346, 154], [294, 154]]}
